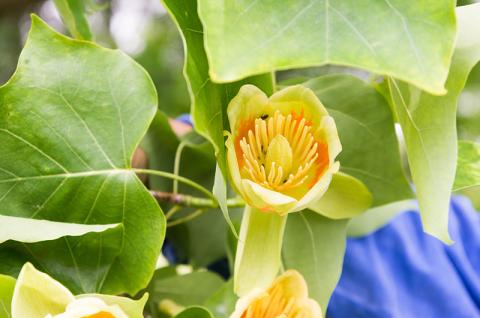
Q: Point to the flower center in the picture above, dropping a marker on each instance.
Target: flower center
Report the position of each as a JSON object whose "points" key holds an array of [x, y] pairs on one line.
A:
{"points": [[281, 152]]}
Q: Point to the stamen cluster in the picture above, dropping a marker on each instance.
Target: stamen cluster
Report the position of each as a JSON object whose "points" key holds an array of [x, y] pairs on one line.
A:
{"points": [[280, 152]]}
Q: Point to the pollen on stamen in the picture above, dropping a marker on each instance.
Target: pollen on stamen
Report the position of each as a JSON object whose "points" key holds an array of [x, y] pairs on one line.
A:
{"points": [[298, 132]]}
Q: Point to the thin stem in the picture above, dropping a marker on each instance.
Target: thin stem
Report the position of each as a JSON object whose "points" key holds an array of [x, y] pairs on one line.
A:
{"points": [[176, 165], [188, 200], [179, 178], [187, 218], [172, 211]]}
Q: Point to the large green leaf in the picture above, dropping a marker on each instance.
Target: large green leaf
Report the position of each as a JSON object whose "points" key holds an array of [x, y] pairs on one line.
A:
{"points": [[209, 100], [314, 245], [468, 166], [222, 302], [73, 15], [409, 40], [428, 124], [186, 290], [365, 126], [375, 218], [195, 312], [7, 284], [29, 230], [70, 119]]}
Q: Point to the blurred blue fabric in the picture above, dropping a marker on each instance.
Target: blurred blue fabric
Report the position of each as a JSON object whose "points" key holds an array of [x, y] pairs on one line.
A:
{"points": [[400, 272], [186, 119]]}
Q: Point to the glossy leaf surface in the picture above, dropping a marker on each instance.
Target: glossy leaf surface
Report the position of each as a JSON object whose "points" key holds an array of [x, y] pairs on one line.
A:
{"points": [[468, 166], [412, 41], [366, 129], [314, 246], [429, 126], [74, 16], [30, 230], [75, 131]]}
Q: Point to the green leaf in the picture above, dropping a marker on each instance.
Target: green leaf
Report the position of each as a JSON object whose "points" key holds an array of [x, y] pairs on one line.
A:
{"points": [[186, 290], [366, 130], [75, 131], [222, 303], [428, 124], [195, 312], [412, 41], [30, 230], [73, 15], [346, 197], [209, 100], [314, 245], [468, 166], [7, 284], [220, 192], [376, 218], [257, 260]]}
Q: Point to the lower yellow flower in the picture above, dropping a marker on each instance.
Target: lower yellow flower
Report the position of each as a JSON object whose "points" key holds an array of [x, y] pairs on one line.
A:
{"points": [[287, 297], [90, 307], [37, 295]]}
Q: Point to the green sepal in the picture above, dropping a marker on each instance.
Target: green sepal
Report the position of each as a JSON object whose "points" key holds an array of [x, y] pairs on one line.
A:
{"points": [[346, 197]]}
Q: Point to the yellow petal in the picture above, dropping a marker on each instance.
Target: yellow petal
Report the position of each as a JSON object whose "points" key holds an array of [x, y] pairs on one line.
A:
{"points": [[329, 132], [249, 103], [301, 100], [36, 294], [233, 167], [130, 307], [317, 191], [286, 297], [267, 200]]}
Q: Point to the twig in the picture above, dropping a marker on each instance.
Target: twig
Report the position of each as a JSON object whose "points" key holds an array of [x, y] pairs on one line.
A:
{"points": [[188, 200]]}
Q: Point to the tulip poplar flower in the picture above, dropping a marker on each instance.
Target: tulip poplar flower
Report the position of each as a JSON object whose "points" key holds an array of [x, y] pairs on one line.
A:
{"points": [[282, 149], [281, 155], [38, 295], [287, 297]]}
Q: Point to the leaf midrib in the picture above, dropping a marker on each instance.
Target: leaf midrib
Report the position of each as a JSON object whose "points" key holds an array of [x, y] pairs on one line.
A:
{"points": [[69, 175]]}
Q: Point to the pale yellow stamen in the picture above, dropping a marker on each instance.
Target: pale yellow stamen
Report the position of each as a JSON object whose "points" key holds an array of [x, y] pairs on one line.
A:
{"points": [[279, 152]]}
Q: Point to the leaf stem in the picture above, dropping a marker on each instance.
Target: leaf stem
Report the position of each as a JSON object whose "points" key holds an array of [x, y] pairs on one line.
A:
{"points": [[187, 218], [184, 180], [172, 211], [187, 200], [176, 165]]}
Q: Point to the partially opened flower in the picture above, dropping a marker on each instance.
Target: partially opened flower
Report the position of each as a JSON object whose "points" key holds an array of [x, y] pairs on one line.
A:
{"points": [[287, 297], [38, 295], [282, 149]]}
